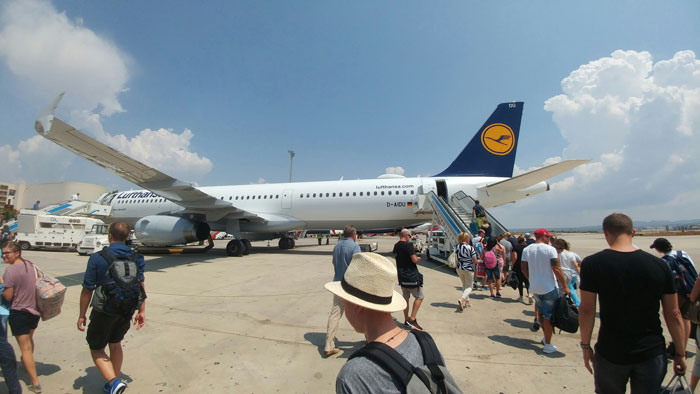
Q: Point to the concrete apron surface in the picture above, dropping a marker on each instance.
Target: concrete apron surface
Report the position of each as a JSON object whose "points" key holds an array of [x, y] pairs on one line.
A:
{"points": [[257, 324]]}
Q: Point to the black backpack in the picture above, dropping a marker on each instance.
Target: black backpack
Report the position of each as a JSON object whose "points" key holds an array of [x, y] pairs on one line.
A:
{"points": [[684, 274], [565, 315], [433, 377], [121, 293]]}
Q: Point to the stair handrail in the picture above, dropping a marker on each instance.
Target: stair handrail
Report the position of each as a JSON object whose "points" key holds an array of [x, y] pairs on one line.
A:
{"points": [[467, 202]]}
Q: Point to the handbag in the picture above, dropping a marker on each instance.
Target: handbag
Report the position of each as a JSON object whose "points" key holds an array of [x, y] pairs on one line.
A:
{"points": [[50, 293], [692, 311], [452, 260], [677, 385]]}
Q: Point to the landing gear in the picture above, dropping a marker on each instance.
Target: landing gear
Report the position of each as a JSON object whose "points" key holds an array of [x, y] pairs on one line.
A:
{"points": [[286, 243], [246, 246], [235, 248]]}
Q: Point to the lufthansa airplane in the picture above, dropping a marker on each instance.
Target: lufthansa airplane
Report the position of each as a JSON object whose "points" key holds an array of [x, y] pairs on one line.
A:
{"points": [[170, 211]]}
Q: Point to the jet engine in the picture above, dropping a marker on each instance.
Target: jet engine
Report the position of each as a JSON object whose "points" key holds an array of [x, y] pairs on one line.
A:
{"points": [[157, 230]]}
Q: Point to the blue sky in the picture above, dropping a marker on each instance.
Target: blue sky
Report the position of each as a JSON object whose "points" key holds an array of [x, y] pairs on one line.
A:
{"points": [[218, 92]]}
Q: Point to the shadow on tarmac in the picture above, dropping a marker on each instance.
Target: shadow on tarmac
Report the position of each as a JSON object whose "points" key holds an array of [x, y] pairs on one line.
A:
{"points": [[93, 382], [525, 344], [42, 369], [347, 348], [518, 323]]}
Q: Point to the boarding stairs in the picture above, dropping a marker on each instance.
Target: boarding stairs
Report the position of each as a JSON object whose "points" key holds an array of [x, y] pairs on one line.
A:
{"points": [[465, 204], [77, 208], [454, 217], [68, 208]]}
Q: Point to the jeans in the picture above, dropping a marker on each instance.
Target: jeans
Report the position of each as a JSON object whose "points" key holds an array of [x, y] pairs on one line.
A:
{"points": [[545, 303], [644, 377], [8, 362]]}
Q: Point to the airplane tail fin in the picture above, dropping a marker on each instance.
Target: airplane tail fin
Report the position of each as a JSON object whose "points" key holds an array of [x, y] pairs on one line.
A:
{"points": [[491, 152]]}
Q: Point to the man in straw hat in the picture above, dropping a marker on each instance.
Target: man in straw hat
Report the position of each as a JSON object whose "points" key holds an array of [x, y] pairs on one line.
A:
{"points": [[368, 296]]}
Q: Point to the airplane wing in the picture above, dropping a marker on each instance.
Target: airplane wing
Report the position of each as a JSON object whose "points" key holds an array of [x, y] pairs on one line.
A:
{"points": [[175, 190], [523, 181]]}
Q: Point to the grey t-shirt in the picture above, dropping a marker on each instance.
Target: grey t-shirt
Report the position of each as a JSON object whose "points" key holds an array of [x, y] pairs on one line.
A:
{"points": [[361, 375]]}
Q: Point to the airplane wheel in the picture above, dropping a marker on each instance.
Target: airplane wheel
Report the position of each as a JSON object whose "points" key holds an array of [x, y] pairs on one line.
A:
{"points": [[285, 243], [293, 243], [234, 248], [246, 246]]}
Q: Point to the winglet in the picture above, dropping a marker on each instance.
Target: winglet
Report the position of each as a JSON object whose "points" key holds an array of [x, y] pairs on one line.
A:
{"points": [[43, 122]]}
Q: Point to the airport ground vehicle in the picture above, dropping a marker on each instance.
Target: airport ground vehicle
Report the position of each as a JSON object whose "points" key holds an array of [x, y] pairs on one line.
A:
{"points": [[94, 240], [39, 230], [437, 247]]}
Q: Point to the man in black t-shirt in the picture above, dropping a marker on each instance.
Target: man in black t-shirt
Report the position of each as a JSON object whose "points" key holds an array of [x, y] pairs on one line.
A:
{"points": [[629, 284], [410, 280]]}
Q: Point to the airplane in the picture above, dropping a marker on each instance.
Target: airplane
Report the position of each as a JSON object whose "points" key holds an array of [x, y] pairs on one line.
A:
{"points": [[170, 211]]}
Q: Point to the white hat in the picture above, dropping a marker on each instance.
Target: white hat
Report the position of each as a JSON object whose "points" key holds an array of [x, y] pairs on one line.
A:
{"points": [[369, 282]]}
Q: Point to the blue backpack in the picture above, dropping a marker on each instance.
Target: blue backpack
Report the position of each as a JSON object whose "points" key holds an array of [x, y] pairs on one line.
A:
{"points": [[684, 274]]}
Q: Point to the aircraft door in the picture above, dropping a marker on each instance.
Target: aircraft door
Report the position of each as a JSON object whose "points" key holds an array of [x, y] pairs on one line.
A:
{"points": [[427, 186], [287, 199], [441, 186]]}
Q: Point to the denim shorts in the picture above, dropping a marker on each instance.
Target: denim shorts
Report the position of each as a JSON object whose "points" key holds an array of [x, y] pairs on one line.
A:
{"points": [[493, 273], [545, 303]]}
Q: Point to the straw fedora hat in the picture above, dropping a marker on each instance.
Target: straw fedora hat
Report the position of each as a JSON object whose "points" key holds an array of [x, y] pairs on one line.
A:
{"points": [[369, 282]]}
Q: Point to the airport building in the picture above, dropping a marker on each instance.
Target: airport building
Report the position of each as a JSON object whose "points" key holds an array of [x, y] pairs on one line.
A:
{"points": [[20, 195]]}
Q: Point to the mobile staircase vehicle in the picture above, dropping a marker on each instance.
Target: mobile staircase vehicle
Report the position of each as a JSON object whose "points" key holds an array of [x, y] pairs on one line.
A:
{"points": [[38, 230], [453, 218]]}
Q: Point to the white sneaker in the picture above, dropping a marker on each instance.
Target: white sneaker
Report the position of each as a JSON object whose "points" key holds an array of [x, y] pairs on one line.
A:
{"points": [[549, 348], [530, 300]]}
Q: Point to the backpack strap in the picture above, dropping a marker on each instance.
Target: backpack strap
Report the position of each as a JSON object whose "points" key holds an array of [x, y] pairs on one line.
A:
{"points": [[389, 359], [431, 358]]}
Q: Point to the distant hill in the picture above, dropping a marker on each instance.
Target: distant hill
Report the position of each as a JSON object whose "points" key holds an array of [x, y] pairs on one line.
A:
{"points": [[597, 228]]}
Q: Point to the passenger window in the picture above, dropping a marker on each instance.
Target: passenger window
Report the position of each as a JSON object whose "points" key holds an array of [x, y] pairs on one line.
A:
{"points": [[375, 193], [404, 192], [327, 194], [333, 194], [277, 196], [382, 192], [314, 195], [247, 197], [307, 195], [389, 192], [355, 193], [411, 191]]}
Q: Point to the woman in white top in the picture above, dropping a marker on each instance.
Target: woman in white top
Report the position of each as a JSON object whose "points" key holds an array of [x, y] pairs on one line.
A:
{"points": [[466, 264], [570, 263]]}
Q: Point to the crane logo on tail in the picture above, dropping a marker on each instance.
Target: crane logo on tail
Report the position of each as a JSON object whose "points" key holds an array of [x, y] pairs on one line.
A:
{"points": [[498, 139]]}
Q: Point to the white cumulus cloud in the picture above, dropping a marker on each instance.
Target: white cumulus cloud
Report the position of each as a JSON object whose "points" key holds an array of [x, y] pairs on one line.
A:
{"points": [[46, 51], [639, 122], [394, 170]]}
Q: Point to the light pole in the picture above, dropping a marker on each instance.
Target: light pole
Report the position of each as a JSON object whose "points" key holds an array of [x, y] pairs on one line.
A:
{"points": [[291, 157]]}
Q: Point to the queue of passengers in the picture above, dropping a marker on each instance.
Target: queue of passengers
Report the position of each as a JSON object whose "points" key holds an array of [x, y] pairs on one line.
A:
{"points": [[487, 262]]}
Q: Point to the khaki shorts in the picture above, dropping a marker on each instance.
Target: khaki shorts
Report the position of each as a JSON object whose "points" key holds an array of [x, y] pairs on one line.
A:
{"points": [[416, 292]]}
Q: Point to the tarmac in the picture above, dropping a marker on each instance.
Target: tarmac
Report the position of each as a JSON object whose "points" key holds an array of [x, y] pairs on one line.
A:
{"points": [[257, 324]]}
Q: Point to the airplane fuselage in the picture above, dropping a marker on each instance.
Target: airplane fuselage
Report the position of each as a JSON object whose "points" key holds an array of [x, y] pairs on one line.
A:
{"points": [[367, 204]]}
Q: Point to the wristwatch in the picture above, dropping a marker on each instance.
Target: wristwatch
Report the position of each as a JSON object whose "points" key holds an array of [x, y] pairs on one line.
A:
{"points": [[585, 346]]}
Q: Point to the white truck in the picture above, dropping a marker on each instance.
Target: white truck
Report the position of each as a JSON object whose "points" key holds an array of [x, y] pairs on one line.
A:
{"points": [[41, 230], [94, 240]]}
